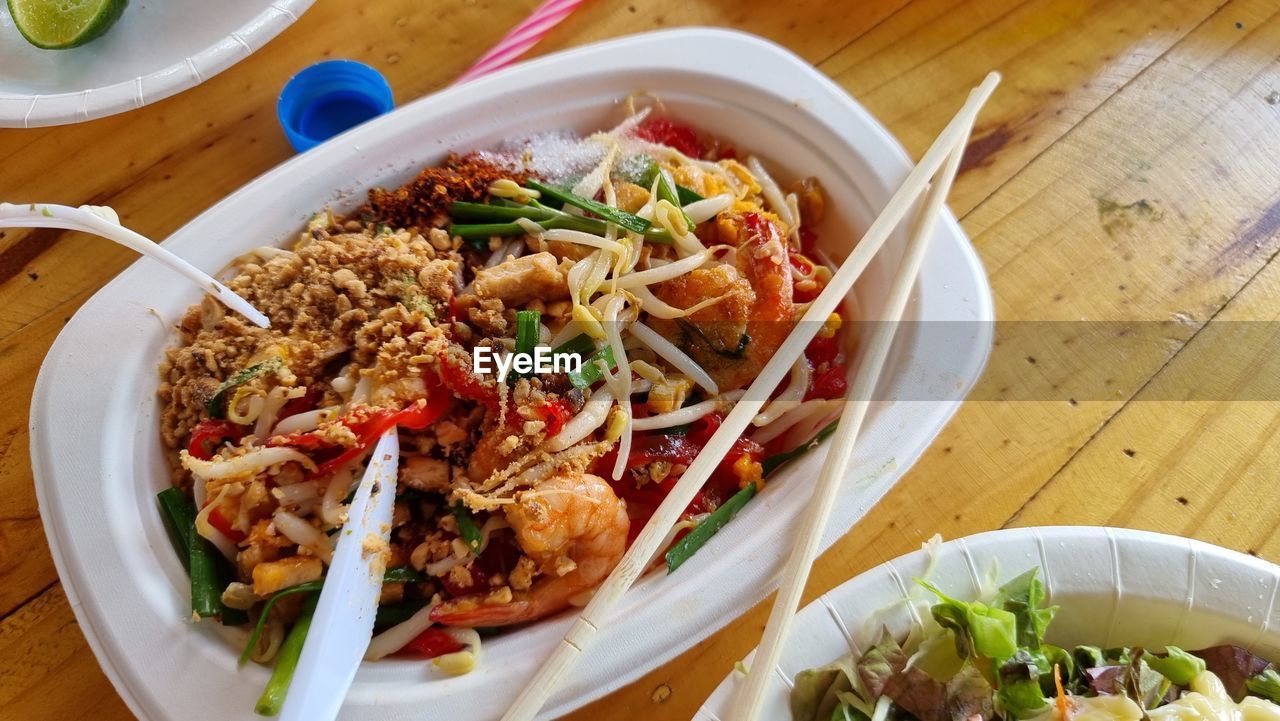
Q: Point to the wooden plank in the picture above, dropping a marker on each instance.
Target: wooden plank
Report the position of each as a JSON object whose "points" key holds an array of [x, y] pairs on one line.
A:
{"points": [[1061, 59], [1203, 468], [26, 567], [46, 672]]}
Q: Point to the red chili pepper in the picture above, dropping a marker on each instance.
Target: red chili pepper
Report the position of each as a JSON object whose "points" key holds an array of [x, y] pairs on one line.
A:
{"points": [[369, 425], [433, 642], [829, 379], [831, 384], [220, 522], [808, 239], [477, 582], [823, 351], [414, 418], [298, 405], [682, 449], [209, 434], [664, 132], [806, 267], [555, 414], [466, 385]]}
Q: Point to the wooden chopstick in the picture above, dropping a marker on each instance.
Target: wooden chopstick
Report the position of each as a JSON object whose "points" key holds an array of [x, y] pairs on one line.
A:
{"points": [[749, 700], [539, 689]]}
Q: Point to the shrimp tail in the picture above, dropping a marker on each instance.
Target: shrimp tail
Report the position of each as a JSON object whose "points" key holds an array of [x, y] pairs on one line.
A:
{"points": [[472, 612]]}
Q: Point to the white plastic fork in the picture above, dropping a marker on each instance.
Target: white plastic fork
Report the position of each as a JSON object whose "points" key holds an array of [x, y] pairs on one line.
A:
{"points": [[103, 221], [342, 625]]}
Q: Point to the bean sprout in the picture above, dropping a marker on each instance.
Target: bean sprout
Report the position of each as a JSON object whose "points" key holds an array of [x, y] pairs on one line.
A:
{"points": [[667, 351]]}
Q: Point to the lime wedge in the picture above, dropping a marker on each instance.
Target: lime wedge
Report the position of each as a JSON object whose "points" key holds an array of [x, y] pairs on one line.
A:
{"points": [[62, 24]]}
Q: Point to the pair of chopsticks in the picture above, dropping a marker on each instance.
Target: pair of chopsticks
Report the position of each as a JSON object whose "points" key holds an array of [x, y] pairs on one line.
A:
{"points": [[946, 149]]}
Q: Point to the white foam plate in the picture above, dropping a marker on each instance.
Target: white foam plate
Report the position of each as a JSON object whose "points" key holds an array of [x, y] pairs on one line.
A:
{"points": [[1115, 587], [99, 462], [156, 49]]}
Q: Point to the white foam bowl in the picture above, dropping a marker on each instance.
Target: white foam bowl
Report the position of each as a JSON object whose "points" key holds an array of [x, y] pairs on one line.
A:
{"points": [[156, 49], [1115, 588], [99, 462]]}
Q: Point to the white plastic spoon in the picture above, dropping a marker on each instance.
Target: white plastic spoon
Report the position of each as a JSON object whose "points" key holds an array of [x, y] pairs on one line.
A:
{"points": [[342, 625], [103, 221]]}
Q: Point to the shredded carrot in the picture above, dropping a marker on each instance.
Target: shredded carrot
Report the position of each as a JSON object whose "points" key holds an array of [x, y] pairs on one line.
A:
{"points": [[1064, 705]]}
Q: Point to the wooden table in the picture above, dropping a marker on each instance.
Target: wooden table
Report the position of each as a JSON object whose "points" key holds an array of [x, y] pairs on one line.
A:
{"points": [[1104, 104]]}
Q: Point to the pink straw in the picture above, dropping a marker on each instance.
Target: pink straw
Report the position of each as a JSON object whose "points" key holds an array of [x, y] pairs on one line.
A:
{"points": [[522, 37]]}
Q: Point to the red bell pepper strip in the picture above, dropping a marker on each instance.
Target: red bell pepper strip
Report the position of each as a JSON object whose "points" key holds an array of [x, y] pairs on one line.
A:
{"points": [[307, 401], [433, 642], [209, 434], [828, 380], [220, 522], [462, 382], [664, 132], [368, 425], [555, 414], [415, 417]]}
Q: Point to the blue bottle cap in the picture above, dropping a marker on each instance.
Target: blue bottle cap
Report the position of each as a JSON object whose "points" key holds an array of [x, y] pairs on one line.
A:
{"points": [[329, 97]]}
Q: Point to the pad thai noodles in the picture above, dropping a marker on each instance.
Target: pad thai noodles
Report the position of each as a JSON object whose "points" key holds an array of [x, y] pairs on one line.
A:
{"points": [[663, 266]]}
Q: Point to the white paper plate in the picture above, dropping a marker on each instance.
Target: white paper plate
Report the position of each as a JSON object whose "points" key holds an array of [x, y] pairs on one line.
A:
{"points": [[158, 48], [98, 459], [1115, 588]]}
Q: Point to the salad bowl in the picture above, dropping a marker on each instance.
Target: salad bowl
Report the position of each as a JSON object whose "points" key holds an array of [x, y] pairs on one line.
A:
{"points": [[1113, 587]]}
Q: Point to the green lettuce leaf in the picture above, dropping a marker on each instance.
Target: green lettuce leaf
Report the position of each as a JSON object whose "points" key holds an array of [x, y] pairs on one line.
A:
{"points": [[1022, 597], [1266, 685], [880, 663], [815, 696], [1177, 665], [1020, 695], [980, 629]]}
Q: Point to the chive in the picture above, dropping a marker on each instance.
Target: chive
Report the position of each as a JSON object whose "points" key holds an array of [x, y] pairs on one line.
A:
{"points": [[467, 528], [206, 589], [687, 195], [402, 574], [770, 464], [620, 218], [666, 189], [703, 532], [580, 344], [272, 698], [478, 234], [698, 537], [489, 213], [307, 587], [399, 574], [216, 405], [399, 613], [528, 330], [590, 372], [178, 514]]}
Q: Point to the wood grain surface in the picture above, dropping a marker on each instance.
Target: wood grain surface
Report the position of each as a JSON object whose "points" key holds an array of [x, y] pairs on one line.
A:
{"points": [[1127, 170]]}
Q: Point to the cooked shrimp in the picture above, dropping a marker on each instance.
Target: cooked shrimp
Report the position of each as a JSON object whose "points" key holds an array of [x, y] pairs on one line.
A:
{"points": [[575, 529], [734, 339]]}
